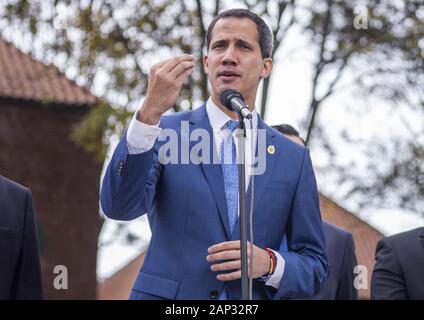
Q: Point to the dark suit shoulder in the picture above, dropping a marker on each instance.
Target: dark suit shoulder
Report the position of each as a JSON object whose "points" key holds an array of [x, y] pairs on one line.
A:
{"points": [[13, 203], [406, 245], [335, 231], [403, 237], [12, 188]]}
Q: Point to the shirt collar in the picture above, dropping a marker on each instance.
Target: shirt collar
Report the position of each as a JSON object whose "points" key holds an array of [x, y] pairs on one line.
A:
{"points": [[219, 118]]}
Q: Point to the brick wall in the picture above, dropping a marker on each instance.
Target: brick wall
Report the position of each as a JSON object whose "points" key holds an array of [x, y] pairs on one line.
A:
{"points": [[35, 150]]}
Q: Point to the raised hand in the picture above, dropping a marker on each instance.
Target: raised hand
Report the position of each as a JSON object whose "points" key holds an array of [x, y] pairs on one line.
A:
{"points": [[165, 82]]}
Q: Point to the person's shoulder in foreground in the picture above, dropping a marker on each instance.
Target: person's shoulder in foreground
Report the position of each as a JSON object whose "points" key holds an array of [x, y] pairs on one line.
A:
{"points": [[399, 264], [20, 271]]}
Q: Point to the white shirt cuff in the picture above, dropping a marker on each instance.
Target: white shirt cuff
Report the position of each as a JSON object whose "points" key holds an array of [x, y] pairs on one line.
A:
{"points": [[275, 279], [140, 136]]}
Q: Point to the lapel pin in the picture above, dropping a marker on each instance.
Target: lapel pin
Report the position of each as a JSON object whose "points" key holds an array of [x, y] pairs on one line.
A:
{"points": [[271, 149]]}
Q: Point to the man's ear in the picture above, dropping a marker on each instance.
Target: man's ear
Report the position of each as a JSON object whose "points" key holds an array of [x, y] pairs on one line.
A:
{"points": [[267, 67], [205, 63]]}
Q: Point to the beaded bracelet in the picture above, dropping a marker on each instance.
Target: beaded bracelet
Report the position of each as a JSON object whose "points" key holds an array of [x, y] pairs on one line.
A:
{"points": [[273, 260]]}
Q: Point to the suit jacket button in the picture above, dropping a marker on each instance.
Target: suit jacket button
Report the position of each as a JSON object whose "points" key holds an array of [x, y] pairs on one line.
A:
{"points": [[214, 294]]}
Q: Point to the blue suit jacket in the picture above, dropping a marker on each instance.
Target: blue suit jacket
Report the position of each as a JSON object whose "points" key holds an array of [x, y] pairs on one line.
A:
{"points": [[187, 214]]}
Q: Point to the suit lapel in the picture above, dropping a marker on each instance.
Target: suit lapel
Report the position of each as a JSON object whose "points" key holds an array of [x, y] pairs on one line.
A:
{"points": [[261, 181], [213, 174], [212, 171]]}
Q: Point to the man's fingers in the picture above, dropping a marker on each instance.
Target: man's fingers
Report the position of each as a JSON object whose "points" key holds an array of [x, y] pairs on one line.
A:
{"points": [[228, 245], [229, 276], [172, 63], [181, 69], [184, 75], [229, 250], [161, 64], [224, 255], [229, 265]]}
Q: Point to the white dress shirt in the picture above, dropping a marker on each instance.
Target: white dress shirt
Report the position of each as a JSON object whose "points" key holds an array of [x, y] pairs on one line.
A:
{"points": [[141, 138]]}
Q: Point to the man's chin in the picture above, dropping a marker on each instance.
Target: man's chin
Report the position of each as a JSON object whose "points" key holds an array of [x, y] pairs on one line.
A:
{"points": [[222, 88]]}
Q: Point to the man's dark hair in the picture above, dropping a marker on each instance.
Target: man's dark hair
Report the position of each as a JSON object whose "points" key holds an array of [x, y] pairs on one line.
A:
{"points": [[266, 39], [288, 130]]}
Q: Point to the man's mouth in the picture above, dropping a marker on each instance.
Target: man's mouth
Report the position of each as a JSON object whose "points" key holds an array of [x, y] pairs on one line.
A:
{"points": [[227, 75]]}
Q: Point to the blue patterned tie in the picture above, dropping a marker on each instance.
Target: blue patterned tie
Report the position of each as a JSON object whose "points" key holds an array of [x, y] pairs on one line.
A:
{"points": [[230, 173]]}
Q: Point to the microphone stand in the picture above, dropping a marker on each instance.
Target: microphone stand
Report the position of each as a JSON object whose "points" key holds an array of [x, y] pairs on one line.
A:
{"points": [[241, 137]]}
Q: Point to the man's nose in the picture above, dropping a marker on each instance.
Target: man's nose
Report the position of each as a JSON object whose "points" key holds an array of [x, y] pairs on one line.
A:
{"points": [[230, 56]]}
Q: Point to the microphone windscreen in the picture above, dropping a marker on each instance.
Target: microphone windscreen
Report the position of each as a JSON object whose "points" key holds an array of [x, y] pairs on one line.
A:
{"points": [[227, 95]]}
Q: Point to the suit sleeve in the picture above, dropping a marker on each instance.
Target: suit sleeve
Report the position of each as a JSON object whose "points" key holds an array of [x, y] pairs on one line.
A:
{"points": [[306, 261], [387, 280], [28, 284], [346, 289], [129, 184]]}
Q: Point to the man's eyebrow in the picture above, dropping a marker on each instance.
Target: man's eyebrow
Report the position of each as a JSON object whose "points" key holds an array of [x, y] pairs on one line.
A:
{"points": [[219, 41], [241, 41]]}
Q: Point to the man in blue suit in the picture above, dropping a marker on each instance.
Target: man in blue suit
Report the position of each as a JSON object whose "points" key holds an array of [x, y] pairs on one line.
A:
{"points": [[340, 249], [192, 200]]}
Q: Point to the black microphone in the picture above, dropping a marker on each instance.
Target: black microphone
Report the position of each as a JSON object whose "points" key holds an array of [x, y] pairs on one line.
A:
{"points": [[234, 101]]}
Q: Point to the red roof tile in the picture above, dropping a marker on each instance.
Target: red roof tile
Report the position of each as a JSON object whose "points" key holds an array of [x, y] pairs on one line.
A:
{"points": [[24, 78]]}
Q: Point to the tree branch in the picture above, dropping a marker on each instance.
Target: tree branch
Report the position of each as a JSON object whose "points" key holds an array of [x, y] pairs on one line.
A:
{"points": [[313, 107], [204, 78], [217, 6], [336, 78], [277, 42]]}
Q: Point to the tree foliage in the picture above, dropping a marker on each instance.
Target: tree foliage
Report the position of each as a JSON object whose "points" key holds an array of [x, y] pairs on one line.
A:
{"points": [[109, 46]]}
